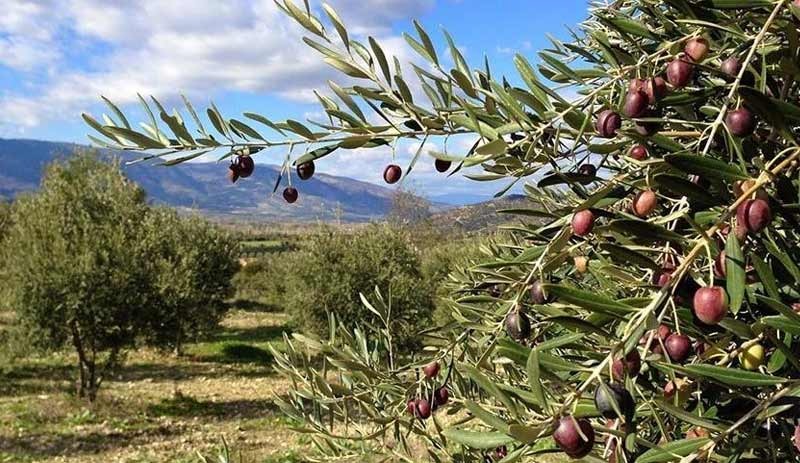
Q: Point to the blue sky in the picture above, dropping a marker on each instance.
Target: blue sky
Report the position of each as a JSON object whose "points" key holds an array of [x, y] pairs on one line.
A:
{"points": [[58, 56]]}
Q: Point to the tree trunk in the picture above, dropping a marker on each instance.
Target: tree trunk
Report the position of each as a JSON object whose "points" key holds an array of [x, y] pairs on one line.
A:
{"points": [[77, 342]]}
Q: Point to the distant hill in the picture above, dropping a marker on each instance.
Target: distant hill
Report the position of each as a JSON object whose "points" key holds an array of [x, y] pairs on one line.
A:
{"points": [[203, 187], [483, 216]]}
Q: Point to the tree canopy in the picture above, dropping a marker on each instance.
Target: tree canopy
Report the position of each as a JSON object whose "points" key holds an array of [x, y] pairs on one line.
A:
{"points": [[653, 307]]}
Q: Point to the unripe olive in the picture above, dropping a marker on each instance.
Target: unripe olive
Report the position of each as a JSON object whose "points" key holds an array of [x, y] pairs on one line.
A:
{"points": [[244, 166], [754, 215], [630, 365], [582, 222], [639, 152], [680, 72], [742, 186], [611, 396], [741, 122], [710, 304], [442, 165], [635, 104], [678, 347], [581, 264], [644, 203], [574, 436], [608, 122], [518, 326], [431, 370], [752, 357], [306, 170], [537, 293], [392, 174], [679, 387], [696, 432], [290, 194], [696, 49]]}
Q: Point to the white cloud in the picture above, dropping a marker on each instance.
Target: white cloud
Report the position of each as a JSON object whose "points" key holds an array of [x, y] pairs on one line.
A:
{"points": [[163, 47]]}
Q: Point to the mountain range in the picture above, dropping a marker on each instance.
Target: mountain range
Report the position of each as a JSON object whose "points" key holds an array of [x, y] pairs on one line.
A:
{"points": [[204, 187]]}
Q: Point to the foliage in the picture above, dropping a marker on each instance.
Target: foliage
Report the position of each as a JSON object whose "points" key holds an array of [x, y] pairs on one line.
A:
{"points": [[334, 269], [191, 264], [718, 171], [264, 281], [74, 271]]}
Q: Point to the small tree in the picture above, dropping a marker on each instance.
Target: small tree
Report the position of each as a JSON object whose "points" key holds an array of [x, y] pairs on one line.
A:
{"points": [[656, 306], [191, 264], [335, 268], [74, 271]]}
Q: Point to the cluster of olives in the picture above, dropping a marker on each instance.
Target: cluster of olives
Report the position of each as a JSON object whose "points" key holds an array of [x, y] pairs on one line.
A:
{"points": [[243, 166], [422, 407]]}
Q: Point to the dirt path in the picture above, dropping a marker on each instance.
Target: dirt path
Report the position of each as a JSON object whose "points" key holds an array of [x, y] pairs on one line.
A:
{"points": [[159, 408]]}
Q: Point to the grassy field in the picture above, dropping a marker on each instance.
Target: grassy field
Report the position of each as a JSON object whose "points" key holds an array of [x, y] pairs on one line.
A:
{"points": [[158, 408]]}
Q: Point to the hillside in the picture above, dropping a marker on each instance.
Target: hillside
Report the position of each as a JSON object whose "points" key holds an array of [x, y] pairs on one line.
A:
{"points": [[203, 187]]}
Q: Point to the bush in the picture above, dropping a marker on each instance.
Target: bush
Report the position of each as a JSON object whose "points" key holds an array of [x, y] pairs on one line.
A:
{"points": [[334, 268], [191, 264], [264, 281], [74, 270]]}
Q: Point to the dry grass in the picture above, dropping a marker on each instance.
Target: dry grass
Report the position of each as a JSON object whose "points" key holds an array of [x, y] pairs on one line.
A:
{"points": [[158, 408]]}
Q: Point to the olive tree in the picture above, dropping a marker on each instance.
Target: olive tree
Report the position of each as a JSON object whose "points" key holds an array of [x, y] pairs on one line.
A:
{"points": [[73, 272], [652, 308], [191, 264]]}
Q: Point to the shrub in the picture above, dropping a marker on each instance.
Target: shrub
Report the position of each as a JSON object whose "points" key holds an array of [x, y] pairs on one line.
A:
{"points": [[264, 281], [191, 264], [662, 147], [334, 268], [74, 272]]}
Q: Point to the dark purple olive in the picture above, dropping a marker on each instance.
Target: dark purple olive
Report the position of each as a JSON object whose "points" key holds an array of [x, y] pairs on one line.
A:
{"points": [[245, 166], [537, 293], [754, 215], [608, 122], [442, 165], [306, 170], [628, 365], [233, 173], [290, 194], [741, 122], [587, 169], [392, 174], [518, 326], [656, 89], [678, 347], [609, 398], [680, 72], [648, 128], [635, 104], [582, 222], [639, 152], [422, 409], [574, 436], [441, 396], [731, 67]]}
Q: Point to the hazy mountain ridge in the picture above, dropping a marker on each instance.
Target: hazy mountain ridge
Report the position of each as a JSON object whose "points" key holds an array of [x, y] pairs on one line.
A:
{"points": [[204, 186]]}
